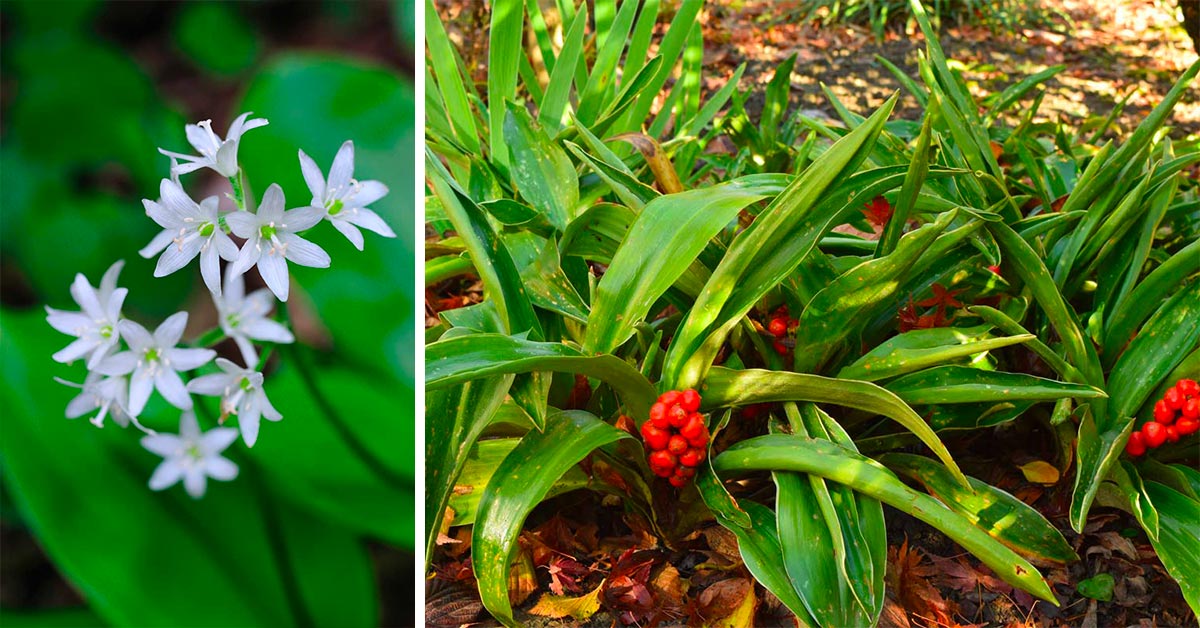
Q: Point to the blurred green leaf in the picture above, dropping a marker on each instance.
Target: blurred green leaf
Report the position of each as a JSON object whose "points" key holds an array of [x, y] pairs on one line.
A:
{"points": [[216, 37]]}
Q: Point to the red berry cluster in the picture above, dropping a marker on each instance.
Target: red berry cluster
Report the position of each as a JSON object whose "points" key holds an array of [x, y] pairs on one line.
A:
{"points": [[779, 327], [676, 435], [1176, 414]]}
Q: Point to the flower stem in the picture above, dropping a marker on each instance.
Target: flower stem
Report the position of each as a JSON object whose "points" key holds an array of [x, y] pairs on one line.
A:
{"points": [[238, 196], [210, 338]]}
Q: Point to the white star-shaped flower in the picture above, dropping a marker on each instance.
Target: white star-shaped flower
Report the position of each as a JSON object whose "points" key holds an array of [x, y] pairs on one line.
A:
{"points": [[109, 395], [245, 318], [193, 456], [96, 326], [241, 393], [154, 361], [343, 199], [189, 229], [216, 153], [271, 239]]}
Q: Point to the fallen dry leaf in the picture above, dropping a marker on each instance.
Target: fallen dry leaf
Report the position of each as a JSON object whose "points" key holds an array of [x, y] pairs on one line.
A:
{"points": [[557, 607], [1040, 472]]}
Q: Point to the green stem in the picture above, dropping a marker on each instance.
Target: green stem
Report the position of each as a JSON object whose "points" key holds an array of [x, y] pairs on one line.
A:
{"points": [[238, 196], [210, 338]]}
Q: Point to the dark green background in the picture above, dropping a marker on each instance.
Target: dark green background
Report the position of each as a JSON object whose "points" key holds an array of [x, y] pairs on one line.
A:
{"points": [[318, 527]]}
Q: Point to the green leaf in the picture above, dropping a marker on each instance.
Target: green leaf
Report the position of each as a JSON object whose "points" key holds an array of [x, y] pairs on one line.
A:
{"points": [[1179, 527], [921, 348], [666, 237], [1004, 517], [762, 255], [519, 484], [1147, 297], [505, 52], [462, 359], [552, 112], [725, 387], [541, 170], [1098, 587], [482, 462], [454, 419], [132, 531], [442, 57], [194, 30], [964, 384], [833, 462]]}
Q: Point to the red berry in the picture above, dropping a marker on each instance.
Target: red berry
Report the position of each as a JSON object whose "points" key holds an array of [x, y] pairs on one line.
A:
{"points": [[693, 426], [1154, 434], [662, 458], [1163, 414], [677, 481], [686, 472], [1173, 398], [701, 439], [690, 458], [1187, 426], [1191, 408], [778, 327], [1188, 387], [1172, 434], [658, 415], [780, 348], [677, 416], [656, 438], [669, 398], [1136, 445], [663, 472], [677, 445], [690, 400]]}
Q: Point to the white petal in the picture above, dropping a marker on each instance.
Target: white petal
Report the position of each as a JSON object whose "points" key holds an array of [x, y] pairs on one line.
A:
{"points": [[108, 283], [116, 299], [102, 351], [200, 138], [225, 246], [189, 428], [314, 178], [169, 220], [370, 221], [170, 385], [369, 192], [229, 366], [191, 166], [243, 224], [140, 387], [86, 297], [247, 349], [80, 405], [271, 209], [135, 335], [235, 128], [176, 256], [166, 475], [119, 364], [194, 481], [210, 268], [303, 218], [188, 359], [220, 468], [274, 272], [70, 323], [165, 445], [217, 439], [266, 329], [303, 252], [350, 231], [268, 410], [212, 385], [77, 349], [227, 162], [247, 257], [171, 330], [248, 422], [175, 200], [235, 288], [342, 170]]}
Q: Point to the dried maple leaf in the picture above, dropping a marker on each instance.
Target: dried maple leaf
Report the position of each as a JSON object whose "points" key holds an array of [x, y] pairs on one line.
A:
{"points": [[909, 576]]}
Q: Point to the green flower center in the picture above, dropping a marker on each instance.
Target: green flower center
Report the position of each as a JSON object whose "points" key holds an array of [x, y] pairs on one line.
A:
{"points": [[106, 331], [152, 354], [206, 229], [194, 452], [267, 232], [245, 384], [335, 207]]}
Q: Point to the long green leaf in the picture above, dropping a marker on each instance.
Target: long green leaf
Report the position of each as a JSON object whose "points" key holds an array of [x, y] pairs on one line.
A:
{"points": [[462, 359], [552, 113], [726, 387], [830, 461], [543, 173], [923, 348], [519, 484], [963, 384], [449, 81], [504, 60]]}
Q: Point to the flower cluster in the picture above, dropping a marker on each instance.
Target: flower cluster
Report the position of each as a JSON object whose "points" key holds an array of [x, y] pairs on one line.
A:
{"points": [[676, 435], [1176, 414], [127, 363], [780, 326]]}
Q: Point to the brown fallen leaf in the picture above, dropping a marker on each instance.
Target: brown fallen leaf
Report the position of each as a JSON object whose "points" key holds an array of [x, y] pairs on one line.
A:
{"points": [[909, 575], [1040, 472]]}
